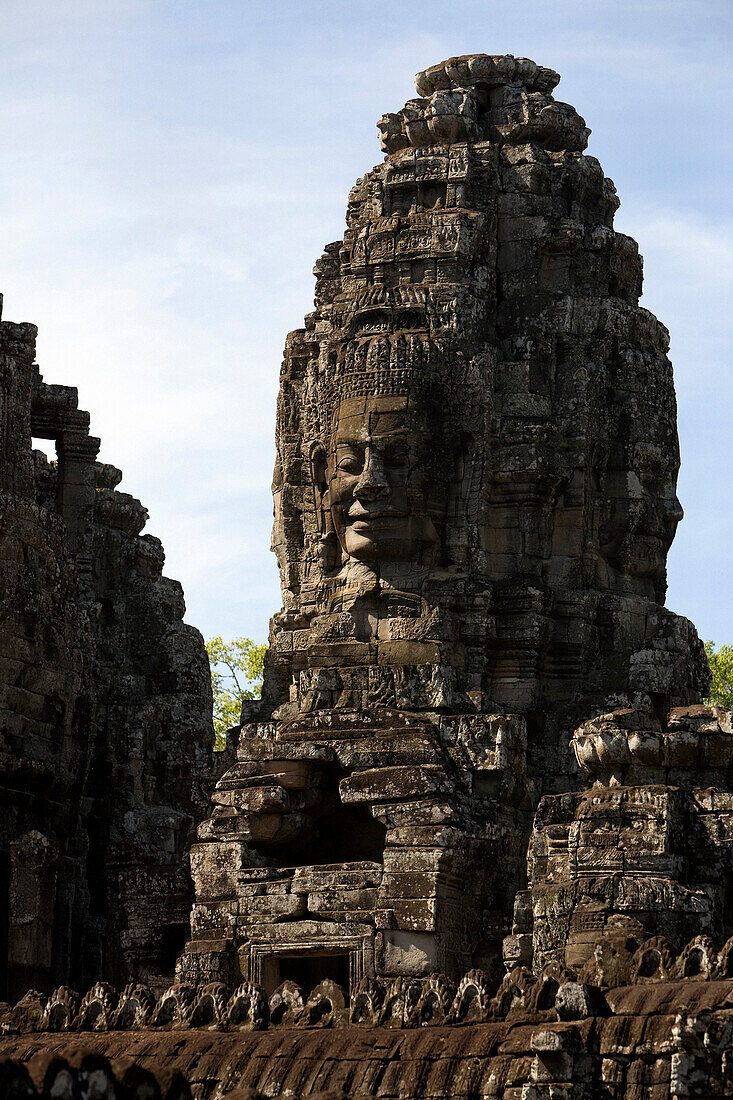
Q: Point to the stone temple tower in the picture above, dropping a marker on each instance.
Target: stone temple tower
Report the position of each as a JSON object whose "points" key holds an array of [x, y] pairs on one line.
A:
{"points": [[474, 500]]}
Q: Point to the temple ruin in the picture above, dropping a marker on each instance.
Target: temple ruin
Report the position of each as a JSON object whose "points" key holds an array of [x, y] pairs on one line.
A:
{"points": [[481, 794], [107, 733], [474, 499]]}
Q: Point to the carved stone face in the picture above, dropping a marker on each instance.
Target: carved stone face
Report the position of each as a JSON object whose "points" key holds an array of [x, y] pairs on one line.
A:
{"points": [[376, 483], [641, 514]]}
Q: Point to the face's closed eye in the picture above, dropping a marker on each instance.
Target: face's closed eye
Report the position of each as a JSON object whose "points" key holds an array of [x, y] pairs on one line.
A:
{"points": [[396, 454], [349, 460]]}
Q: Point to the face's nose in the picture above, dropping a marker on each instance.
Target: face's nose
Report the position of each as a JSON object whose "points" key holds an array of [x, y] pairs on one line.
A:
{"points": [[676, 511], [373, 484]]}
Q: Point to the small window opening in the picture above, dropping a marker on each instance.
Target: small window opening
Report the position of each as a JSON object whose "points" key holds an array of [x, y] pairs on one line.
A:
{"points": [[45, 473], [402, 199], [348, 835], [47, 446], [432, 195]]}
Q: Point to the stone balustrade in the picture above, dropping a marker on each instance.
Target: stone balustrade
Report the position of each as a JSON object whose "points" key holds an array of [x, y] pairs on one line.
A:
{"points": [[556, 992]]}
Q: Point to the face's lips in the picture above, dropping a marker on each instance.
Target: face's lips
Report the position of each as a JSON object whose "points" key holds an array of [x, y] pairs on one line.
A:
{"points": [[363, 518], [363, 527]]}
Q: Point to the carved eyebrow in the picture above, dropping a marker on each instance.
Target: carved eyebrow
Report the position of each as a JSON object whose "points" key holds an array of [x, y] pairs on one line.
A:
{"points": [[387, 423], [389, 433]]}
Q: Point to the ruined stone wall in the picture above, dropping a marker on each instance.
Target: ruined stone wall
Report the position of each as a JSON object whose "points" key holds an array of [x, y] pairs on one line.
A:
{"points": [[643, 851], [106, 738]]}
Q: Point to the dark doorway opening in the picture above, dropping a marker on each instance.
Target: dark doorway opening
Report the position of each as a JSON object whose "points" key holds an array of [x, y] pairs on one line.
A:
{"points": [[309, 970], [348, 835], [173, 939]]}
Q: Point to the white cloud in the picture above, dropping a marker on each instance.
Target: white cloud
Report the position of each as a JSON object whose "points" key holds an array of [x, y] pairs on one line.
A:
{"points": [[697, 248]]}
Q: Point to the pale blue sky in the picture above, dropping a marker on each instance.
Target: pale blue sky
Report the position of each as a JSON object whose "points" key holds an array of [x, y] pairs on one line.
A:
{"points": [[172, 168]]}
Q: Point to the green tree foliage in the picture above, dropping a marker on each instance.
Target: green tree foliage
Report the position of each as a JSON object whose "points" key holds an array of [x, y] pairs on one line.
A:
{"points": [[721, 666], [236, 674]]}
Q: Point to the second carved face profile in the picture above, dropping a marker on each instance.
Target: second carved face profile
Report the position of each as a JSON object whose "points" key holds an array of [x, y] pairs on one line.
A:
{"points": [[375, 482]]}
